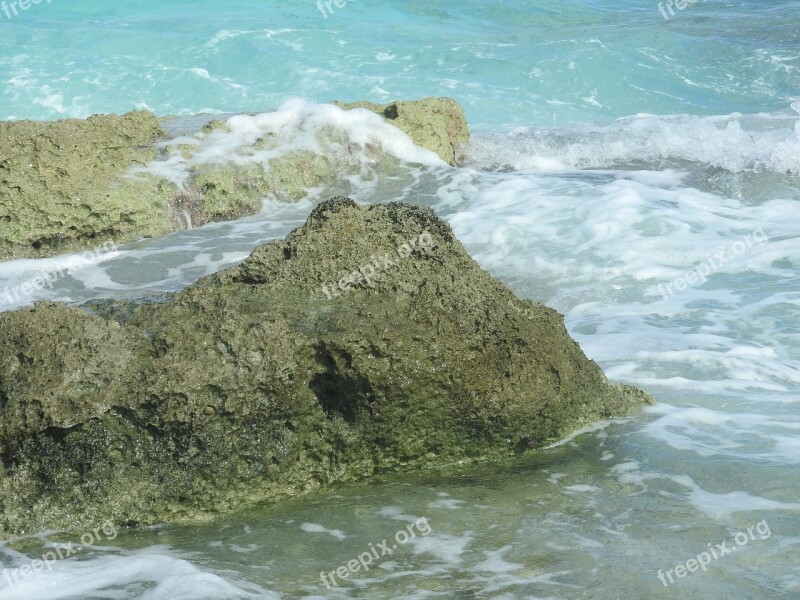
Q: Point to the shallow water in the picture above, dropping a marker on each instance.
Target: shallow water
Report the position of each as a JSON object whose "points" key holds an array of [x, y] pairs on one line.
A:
{"points": [[515, 63], [597, 517], [639, 175]]}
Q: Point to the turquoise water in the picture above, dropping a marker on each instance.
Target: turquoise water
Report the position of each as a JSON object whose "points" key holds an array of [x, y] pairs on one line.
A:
{"points": [[616, 154], [516, 62]]}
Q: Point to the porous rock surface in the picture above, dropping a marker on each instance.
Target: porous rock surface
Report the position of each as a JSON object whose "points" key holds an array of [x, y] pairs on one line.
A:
{"points": [[257, 383], [69, 185]]}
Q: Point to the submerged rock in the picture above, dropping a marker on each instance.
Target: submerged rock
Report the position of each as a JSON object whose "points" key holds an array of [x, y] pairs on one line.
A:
{"points": [[75, 184], [368, 341]]}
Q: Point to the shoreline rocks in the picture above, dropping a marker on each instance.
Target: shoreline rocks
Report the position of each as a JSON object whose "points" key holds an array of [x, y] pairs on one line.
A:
{"points": [[253, 385], [71, 185], [61, 184], [438, 124]]}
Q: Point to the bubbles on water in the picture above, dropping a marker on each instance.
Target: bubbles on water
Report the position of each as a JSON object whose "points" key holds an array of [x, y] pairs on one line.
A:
{"points": [[155, 573], [796, 108], [732, 143]]}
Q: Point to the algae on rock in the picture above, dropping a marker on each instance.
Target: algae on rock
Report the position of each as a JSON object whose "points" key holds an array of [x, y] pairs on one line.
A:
{"points": [[72, 185], [438, 124], [253, 385], [61, 184]]}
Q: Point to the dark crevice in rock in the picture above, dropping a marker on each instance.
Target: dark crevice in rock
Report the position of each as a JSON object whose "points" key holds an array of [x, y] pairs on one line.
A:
{"points": [[59, 434], [136, 420], [391, 112], [340, 390]]}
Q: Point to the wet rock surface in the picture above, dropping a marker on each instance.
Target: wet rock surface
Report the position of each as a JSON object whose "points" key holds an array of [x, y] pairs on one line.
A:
{"points": [[61, 184], [75, 184], [438, 124], [368, 341]]}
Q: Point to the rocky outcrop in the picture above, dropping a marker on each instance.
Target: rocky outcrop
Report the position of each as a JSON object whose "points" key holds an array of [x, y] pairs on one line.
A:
{"points": [[368, 341], [438, 124], [72, 185], [61, 184]]}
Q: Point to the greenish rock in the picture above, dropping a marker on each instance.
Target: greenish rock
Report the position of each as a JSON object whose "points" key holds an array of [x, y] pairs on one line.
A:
{"points": [[62, 187], [221, 193], [225, 192], [438, 124], [73, 185], [367, 342]]}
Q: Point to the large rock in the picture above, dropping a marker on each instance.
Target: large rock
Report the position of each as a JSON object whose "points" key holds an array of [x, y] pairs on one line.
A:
{"points": [[72, 185], [367, 341]]}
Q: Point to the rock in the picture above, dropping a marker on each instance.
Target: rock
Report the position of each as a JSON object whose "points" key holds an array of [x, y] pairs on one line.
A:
{"points": [[368, 341], [69, 185], [61, 184], [438, 124]]}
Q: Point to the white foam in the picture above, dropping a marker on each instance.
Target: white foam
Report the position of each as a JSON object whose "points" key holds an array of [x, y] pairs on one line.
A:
{"points": [[396, 513], [588, 429], [496, 573], [495, 563], [158, 265], [23, 281], [445, 547], [608, 251], [722, 505], [630, 473], [735, 142], [709, 432], [719, 506], [295, 126], [448, 503], [582, 488], [155, 573], [317, 528], [66, 262]]}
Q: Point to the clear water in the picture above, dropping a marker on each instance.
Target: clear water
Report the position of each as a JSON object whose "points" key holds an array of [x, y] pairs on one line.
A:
{"points": [[616, 152]]}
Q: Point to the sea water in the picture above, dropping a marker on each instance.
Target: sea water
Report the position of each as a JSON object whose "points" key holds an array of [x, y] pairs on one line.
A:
{"points": [[640, 174]]}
